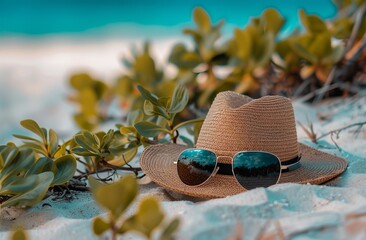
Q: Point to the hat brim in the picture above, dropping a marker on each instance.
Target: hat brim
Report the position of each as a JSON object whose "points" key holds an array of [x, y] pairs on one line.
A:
{"points": [[158, 163]]}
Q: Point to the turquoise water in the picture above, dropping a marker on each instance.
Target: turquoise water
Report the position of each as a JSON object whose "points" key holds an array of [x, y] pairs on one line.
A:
{"points": [[40, 17]]}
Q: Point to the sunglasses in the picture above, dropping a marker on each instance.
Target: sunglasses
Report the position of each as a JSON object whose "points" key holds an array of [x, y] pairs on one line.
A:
{"points": [[251, 169]]}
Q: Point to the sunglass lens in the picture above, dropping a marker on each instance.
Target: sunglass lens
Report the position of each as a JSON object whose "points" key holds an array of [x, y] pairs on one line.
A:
{"points": [[256, 169], [195, 166]]}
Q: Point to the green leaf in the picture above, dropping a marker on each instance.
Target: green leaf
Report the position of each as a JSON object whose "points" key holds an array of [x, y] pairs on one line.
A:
{"points": [[127, 130], [32, 126], [124, 86], [107, 139], [65, 169], [202, 19], [242, 44], [335, 56], [82, 152], [9, 155], [321, 46], [53, 142], [43, 164], [273, 20], [128, 155], [1, 163], [88, 141], [170, 229], [34, 195], [100, 226], [119, 194], [312, 23], [183, 58], [303, 52], [187, 141], [85, 122], [38, 147], [144, 68], [135, 117], [196, 35], [148, 95], [148, 129], [342, 27], [179, 99], [17, 164], [88, 102], [153, 110], [19, 185], [81, 81], [26, 138], [19, 234], [94, 183], [193, 121], [147, 218]]}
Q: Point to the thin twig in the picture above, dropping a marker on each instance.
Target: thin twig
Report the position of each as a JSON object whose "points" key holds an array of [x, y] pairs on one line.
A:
{"points": [[359, 18], [334, 142], [326, 85], [84, 175], [133, 169], [309, 132], [105, 163], [337, 131], [300, 89], [79, 160]]}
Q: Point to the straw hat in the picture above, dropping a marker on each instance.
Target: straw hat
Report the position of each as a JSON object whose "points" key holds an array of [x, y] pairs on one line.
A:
{"points": [[238, 123]]}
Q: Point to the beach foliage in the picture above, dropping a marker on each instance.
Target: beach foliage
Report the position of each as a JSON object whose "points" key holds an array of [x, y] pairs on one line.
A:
{"points": [[41, 162], [28, 171], [153, 124], [256, 60], [147, 220]]}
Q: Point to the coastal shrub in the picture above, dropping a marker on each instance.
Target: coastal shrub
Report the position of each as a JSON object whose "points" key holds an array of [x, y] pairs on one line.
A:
{"points": [[153, 124], [255, 60], [28, 171], [146, 220]]}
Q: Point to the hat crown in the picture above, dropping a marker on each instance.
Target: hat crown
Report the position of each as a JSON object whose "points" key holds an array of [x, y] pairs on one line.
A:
{"points": [[239, 123]]}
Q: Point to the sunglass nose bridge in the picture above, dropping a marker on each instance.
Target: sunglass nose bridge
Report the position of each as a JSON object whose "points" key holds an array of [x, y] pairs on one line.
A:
{"points": [[225, 159]]}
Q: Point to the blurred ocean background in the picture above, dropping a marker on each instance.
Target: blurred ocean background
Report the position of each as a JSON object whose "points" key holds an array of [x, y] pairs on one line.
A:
{"points": [[43, 42]]}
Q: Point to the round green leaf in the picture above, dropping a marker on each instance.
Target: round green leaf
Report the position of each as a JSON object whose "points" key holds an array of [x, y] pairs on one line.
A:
{"points": [[43, 164], [312, 23], [147, 218], [117, 196], [34, 195], [32, 126], [88, 141], [19, 185], [81, 81], [273, 20], [202, 19], [19, 234], [149, 129], [148, 95], [179, 99], [53, 142], [65, 169], [100, 226]]}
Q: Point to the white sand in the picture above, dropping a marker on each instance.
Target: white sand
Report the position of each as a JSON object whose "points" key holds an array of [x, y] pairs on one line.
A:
{"points": [[301, 211]]}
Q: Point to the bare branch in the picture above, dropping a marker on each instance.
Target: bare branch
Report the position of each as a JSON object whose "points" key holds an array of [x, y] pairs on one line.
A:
{"points": [[337, 131]]}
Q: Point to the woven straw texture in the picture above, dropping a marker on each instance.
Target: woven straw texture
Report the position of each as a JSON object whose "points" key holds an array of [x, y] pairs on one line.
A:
{"points": [[238, 123]]}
